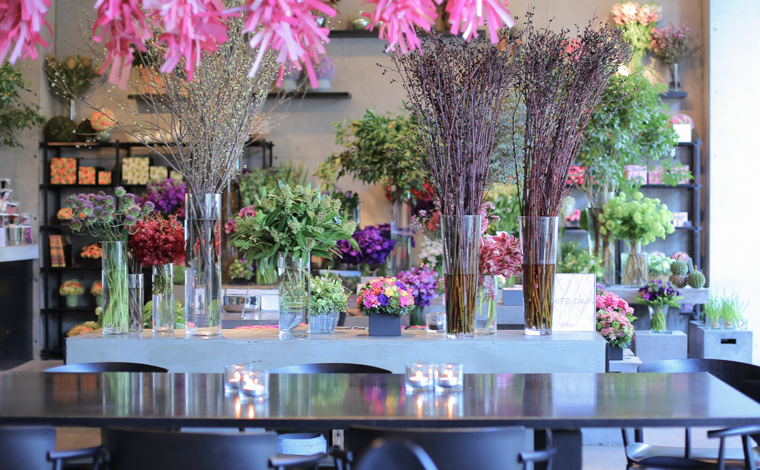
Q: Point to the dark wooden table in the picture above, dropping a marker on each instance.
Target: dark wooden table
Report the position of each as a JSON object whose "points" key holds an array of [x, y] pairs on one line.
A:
{"points": [[561, 402]]}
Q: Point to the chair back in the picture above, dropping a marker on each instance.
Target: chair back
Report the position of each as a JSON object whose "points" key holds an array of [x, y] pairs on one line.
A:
{"points": [[450, 449], [106, 367], [26, 447], [329, 368], [742, 376], [130, 449], [385, 454]]}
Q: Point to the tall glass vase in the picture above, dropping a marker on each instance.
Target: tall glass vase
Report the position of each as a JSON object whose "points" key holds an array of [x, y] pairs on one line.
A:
{"points": [[293, 278], [203, 273], [635, 272], [401, 231], [461, 249], [163, 298], [538, 241], [136, 297], [115, 289], [675, 79]]}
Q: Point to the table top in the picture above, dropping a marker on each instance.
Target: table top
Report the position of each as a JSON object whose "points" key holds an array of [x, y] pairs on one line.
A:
{"points": [[336, 401]]}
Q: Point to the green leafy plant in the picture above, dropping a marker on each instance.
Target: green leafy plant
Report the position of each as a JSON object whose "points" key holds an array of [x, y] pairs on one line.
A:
{"points": [[251, 181], [15, 115], [638, 219], [658, 264], [179, 314], [732, 309], [380, 149], [297, 220], [327, 296], [577, 260], [506, 205]]}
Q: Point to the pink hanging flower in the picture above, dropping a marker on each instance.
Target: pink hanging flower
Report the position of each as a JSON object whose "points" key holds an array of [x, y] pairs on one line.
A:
{"points": [[124, 24], [399, 19], [289, 27], [467, 15], [191, 27], [21, 22]]}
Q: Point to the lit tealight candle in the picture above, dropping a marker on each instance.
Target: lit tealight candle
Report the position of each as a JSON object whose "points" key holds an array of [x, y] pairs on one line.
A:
{"points": [[447, 380], [419, 376], [419, 381], [448, 377], [232, 377], [254, 384]]}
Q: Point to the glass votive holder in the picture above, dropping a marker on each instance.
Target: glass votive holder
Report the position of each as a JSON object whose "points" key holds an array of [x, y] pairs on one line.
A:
{"points": [[419, 376], [435, 322], [254, 385], [232, 376], [449, 377]]}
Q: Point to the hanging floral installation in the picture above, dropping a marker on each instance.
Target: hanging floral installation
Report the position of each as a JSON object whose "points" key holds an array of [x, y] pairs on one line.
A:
{"points": [[397, 20], [21, 23]]}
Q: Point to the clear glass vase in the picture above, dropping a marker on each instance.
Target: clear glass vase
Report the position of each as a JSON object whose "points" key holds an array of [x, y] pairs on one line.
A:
{"points": [[675, 79], [293, 280], [461, 248], [324, 323], [602, 246], [136, 297], [485, 315], [538, 241], [635, 272], [163, 298], [401, 232], [203, 273], [417, 317], [658, 316], [115, 289]]}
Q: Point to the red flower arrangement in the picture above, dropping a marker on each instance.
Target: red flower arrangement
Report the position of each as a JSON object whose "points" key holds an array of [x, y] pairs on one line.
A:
{"points": [[158, 241]]}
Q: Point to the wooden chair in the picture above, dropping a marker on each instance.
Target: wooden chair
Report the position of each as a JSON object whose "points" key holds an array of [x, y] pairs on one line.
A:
{"points": [[86, 367], [33, 448]]}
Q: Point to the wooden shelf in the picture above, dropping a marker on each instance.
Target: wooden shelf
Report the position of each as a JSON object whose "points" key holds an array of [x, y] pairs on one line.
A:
{"points": [[674, 95]]}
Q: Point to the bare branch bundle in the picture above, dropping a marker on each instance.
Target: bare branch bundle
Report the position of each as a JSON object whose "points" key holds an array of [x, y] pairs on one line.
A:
{"points": [[560, 80], [456, 91]]}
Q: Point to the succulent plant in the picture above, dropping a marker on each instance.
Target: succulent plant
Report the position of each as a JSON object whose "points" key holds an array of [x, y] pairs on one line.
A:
{"points": [[679, 280], [696, 279], [60, 129], [679, 267]]}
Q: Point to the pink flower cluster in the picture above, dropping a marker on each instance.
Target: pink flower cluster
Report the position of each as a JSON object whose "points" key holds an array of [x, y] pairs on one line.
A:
{"points": [[500, 255], [387, 295], [574, 217], [615, 327], [611, 302], [682, 119], [680, 256], [21, 22], [632, 12], [230, 226]]}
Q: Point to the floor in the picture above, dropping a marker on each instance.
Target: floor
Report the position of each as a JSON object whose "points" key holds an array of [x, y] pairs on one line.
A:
{"points": [[594, 457]]}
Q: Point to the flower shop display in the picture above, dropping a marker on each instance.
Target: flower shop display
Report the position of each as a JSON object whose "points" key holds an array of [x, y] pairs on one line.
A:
{"points": [[112, 219], [240, 271], [328, 301], [71, 289], [324, 70], [293, 223], [91, 255], [613, 322], [671, 44], [500, 256], [250, 181], [168, 197], [659, 297], [455, 94], [637, 22], [71, 78], [384, 300], [683, 125], [372, 248], [577, 260], [15, 113], [158, 242], [423, 282], [96, 289], [679, 273], [557, 110], [658, 266], [640, 221]]}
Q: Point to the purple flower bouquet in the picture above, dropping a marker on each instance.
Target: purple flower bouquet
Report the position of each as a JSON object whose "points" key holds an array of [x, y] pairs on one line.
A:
{"points": [[168, 197], [656, 293], [424, 284], [374, 243]]}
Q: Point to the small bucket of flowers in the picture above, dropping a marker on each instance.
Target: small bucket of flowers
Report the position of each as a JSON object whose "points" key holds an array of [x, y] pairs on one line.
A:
{"points": [[384, 300], [71, 289], [92, 255], [327, 303], [613, 322], [659, 297]]}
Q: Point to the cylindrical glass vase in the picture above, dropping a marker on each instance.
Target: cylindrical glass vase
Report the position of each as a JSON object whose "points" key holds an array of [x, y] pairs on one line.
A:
{"points": [[485, 315], [461, 248], [293, 279], [203, 273], [675, 79], [635, 272], [324, 323], [658, 316], [417, 317], [163, 298], [401, 232], [115, 289], [602, 246], [538, 241], [136, 297]]}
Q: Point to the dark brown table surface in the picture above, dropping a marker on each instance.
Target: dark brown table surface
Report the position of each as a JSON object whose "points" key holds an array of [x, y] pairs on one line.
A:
{"points": [[335, 401]]}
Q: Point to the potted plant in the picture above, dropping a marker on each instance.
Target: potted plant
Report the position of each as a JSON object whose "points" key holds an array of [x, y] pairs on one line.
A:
{"points": [[240, 271], [613, 322], [384, 300], [292, 224], [732, 311], [91, 255], [713, 311], [659, 297], [324, 69], [71, 289], [96, 289], [328, 303], [14, 113], [500, 255], [640, 221], [658, 266], [423, 282]]}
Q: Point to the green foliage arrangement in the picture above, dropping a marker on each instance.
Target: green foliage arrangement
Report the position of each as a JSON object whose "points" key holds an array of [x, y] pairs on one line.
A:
{"points": [[380, 149], [297, 220], [577, 260], [251, 181], [506, 205], [15, 115], [72, 76], [638, 219], [60, 129], [327, 296], [629, 126]]}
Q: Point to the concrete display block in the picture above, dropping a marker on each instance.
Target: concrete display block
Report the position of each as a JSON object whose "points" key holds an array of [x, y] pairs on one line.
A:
{"points": [[513, 296], [651, 347], [730, 345], [629, 365]]}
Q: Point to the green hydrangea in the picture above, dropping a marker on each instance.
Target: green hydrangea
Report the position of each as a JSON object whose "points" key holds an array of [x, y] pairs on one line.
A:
{"points": [[327, 296], [639, 218]]}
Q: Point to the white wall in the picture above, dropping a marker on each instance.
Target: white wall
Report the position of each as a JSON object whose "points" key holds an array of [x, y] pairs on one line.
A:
{"points": [[733, 99]]}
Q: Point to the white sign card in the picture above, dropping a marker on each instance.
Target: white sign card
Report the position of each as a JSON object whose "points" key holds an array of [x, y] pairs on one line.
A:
{"points": [[574, 302]]}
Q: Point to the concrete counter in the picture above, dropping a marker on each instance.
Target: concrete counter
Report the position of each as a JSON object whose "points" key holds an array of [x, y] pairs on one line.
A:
{"points": [[507, 352]]}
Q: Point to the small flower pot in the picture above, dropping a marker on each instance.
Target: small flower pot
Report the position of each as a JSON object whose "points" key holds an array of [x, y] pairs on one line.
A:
{"points": [[72, 300], [383, 324], [616, 353]]}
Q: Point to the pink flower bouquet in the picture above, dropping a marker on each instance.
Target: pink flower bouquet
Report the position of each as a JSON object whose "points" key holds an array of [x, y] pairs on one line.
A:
{"points": [[385, 295], [682, 119], [613, 319], [610, 302]]}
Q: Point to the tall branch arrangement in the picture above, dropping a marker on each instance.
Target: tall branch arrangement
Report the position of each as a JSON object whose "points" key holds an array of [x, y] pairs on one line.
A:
{"points": [[455, 92], [560, 81]]}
